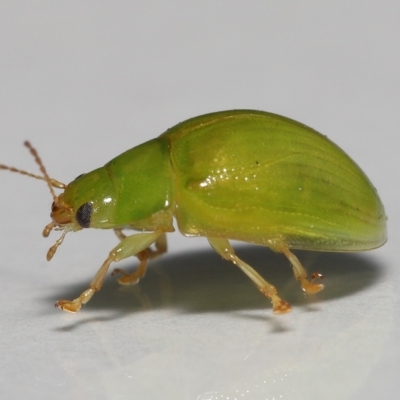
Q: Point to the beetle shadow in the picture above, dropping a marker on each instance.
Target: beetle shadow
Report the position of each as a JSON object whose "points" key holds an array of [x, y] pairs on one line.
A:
{"points": [[201, 282]]}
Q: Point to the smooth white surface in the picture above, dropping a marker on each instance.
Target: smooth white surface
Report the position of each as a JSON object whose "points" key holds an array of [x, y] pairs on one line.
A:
{"points": [[85, 81]]}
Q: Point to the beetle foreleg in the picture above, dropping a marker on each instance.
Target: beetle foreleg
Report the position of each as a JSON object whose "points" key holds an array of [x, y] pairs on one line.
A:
{"points": [[129, 246], [223, 247], [96, 284], [160, 243], [143, 256]]}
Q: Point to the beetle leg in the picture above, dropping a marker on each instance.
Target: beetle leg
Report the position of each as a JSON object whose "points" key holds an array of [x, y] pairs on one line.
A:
{"points": [[119, 233], [161, 247], [134, 277], [143, 256], [299, 272], [301, 275], [223, 247], [129, 246]]}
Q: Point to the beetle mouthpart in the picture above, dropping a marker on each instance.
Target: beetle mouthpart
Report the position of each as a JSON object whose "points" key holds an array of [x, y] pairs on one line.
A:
{"points": [[48, 228], [61, 214], [54, 248]]}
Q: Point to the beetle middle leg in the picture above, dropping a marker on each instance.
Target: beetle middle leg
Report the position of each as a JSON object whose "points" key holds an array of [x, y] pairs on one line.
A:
{"points": [[223, 247], [145, 255], [129, 246]]}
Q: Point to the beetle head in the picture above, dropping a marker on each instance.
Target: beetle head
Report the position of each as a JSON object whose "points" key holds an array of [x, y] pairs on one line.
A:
{"points": [[86, 202], [61, 213]]}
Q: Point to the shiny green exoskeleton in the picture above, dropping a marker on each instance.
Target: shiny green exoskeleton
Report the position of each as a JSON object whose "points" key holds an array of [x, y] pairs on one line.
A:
{"points": [[245, 175]]}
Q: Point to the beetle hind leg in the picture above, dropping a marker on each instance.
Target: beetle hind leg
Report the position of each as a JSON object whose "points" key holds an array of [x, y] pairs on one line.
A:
{"points": [[223, 247], [301, 275]]}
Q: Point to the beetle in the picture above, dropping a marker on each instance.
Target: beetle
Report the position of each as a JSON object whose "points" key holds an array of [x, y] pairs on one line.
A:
{"points": [[244, 175]]}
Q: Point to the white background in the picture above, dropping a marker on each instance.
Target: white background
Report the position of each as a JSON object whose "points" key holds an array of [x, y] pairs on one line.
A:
{"points": [[86, 80]]}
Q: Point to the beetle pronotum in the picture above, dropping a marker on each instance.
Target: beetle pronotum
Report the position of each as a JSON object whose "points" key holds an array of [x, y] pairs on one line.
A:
{"points": [[245, 175]]}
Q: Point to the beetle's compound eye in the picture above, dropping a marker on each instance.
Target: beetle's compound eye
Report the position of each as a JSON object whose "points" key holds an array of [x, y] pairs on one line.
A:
{"points": [[83, 215], [79, 176]]}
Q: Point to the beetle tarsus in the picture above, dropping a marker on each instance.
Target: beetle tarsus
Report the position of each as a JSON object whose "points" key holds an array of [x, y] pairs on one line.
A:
{"points": [[68, 306], [135, 276], [315, 276], [76, 304], [309, 287], [280, 306]]}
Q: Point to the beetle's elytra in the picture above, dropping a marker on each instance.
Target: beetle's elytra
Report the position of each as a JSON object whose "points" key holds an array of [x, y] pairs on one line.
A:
{"points": [[245, 175]]}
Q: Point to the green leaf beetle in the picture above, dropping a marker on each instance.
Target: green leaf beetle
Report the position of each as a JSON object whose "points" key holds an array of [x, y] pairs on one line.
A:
{"points": [[243, 175]]}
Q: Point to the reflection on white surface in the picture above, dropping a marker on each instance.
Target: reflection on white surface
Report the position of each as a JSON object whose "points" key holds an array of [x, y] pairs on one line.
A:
{"points": [[196, 328]]}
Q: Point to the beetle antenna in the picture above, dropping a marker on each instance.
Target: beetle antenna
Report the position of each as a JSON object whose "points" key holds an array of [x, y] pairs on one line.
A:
{"points": [[53, 182], [50, 181]]}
